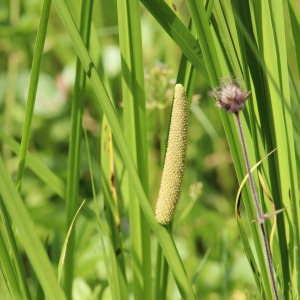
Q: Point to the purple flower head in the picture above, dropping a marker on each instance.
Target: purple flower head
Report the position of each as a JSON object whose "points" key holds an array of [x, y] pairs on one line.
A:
{"points": [[230, 96]]}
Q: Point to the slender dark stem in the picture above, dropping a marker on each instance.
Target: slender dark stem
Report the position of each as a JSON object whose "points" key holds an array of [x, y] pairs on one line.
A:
{"points": [[260, 216]]}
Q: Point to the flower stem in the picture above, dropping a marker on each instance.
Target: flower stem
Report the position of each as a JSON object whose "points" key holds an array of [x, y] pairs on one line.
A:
{"points": [[260, 216]]}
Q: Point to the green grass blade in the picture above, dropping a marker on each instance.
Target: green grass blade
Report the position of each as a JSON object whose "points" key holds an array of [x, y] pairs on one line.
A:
{"points": [[161, 275], [74, 147], [178, 32], [28, 237], [65, 245], [35, 72], [200, 19], [295, 22]]}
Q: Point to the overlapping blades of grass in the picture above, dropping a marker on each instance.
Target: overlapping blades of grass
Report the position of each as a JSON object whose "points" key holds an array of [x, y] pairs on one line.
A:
{"points": [[74, 148], [272, 44], [178, 32], [215, 71], [28, 236], [262, 40], [118, 283], [135, 128], [36, 64], [164, 238]]}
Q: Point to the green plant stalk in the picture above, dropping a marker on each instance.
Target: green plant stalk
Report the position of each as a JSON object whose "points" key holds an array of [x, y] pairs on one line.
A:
{"points": [[74, 149], [158, 272], [161, 275], [295, 22], [109, 256], [260, 216], [136, 134], [115, 263], [119, 284]]}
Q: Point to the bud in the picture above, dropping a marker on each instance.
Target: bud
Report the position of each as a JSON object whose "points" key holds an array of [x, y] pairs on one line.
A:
{"points": [[172, 176], [230, 96]]}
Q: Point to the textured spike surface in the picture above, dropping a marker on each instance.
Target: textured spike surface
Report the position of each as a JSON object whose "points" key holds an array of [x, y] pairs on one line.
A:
{"points": [[172, 176]]}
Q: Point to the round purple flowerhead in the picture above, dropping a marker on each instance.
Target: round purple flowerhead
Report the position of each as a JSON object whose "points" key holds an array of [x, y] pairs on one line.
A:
{"points": [[230, 96]]}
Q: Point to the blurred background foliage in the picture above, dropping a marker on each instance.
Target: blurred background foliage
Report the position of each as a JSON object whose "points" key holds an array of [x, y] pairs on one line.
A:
{"points": [[207, 236]]}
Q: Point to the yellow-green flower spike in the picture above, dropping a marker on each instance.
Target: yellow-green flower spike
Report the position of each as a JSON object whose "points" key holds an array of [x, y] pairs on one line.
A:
{"points": [[172, 176]]}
